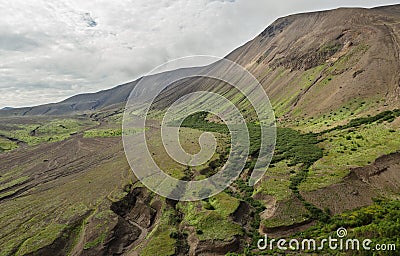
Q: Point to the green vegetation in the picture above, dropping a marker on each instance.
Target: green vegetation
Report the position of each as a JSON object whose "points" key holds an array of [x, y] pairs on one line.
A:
{"points": [[224, 204], [13, 183], [162, 240], [216, 227], [330, 48], [325, 74], [297, 158], [299, 150], [6, 144], [189, 141], [302, 161], [296, 147], [246, 193], [117, 132], [379, 222], [290, 212], [388, 116], [277, 185], [199, 121], [8, 193], [292, 146], [204, 225], [102, 133], [39, 132], [162, 244], [205, 214], [99, 240], [355, 144], [43, 238], [283, 103]]}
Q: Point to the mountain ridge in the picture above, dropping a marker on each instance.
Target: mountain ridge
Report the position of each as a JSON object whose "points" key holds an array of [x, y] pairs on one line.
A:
{"points": [[67, 188], [292, 45]]}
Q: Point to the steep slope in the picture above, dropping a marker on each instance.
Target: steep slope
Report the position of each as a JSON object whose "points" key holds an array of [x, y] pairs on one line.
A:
{"points": [[68, 189], [310, 64], [315, 63]]}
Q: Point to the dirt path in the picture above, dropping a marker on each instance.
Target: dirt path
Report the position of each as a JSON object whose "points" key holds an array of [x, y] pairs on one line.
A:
{"points": [[143, 234], [137, 246]]}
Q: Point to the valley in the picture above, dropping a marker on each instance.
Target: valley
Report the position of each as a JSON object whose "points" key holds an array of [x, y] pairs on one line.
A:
{"points": [[66, 187]]}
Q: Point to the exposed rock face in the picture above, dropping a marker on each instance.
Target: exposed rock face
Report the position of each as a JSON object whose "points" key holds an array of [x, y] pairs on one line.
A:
{"points": [[241, 214], [217, 247], [130, 221], [122, 235]]}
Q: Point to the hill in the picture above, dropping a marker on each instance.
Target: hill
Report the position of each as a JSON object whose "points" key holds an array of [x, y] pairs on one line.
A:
{"points": [[327, 60], [66, 187]]}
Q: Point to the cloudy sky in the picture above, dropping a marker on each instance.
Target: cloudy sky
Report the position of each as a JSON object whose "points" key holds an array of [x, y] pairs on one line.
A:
{"points": [[50, 50]]}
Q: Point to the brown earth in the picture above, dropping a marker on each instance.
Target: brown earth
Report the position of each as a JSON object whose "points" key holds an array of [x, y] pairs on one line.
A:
{"points": [[84, 180], [356, 49], [358, 189], [381, 178]]}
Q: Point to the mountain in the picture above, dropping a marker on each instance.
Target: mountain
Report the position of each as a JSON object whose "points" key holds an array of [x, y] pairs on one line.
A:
{"points": [[327, 60], [66, 187], [76, 104], [315, 63]]}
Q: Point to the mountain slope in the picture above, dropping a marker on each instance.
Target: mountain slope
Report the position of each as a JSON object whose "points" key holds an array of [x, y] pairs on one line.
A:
{"points": [[315, 63], [326, 60], [66, 187], [77, 104]]}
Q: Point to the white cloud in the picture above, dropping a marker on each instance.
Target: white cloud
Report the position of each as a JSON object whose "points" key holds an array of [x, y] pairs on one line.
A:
{"points": [[53, 50]]}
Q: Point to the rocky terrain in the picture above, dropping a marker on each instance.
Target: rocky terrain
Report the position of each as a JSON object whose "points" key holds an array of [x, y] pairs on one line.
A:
{"points": [[332, 77]]}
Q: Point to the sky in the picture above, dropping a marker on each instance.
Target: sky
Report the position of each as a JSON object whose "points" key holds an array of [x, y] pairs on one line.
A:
{"points": [[51, 50]]}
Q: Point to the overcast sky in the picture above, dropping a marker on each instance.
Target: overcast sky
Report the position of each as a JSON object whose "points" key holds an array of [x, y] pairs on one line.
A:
{"points": [[50, 50]]}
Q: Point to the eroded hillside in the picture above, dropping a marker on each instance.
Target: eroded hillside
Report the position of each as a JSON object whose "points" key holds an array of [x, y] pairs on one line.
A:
{"points": [[66, 187]]}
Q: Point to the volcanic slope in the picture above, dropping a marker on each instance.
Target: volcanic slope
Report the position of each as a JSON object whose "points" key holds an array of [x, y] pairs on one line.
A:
{"points": [[309, 64], [333, 80]]}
